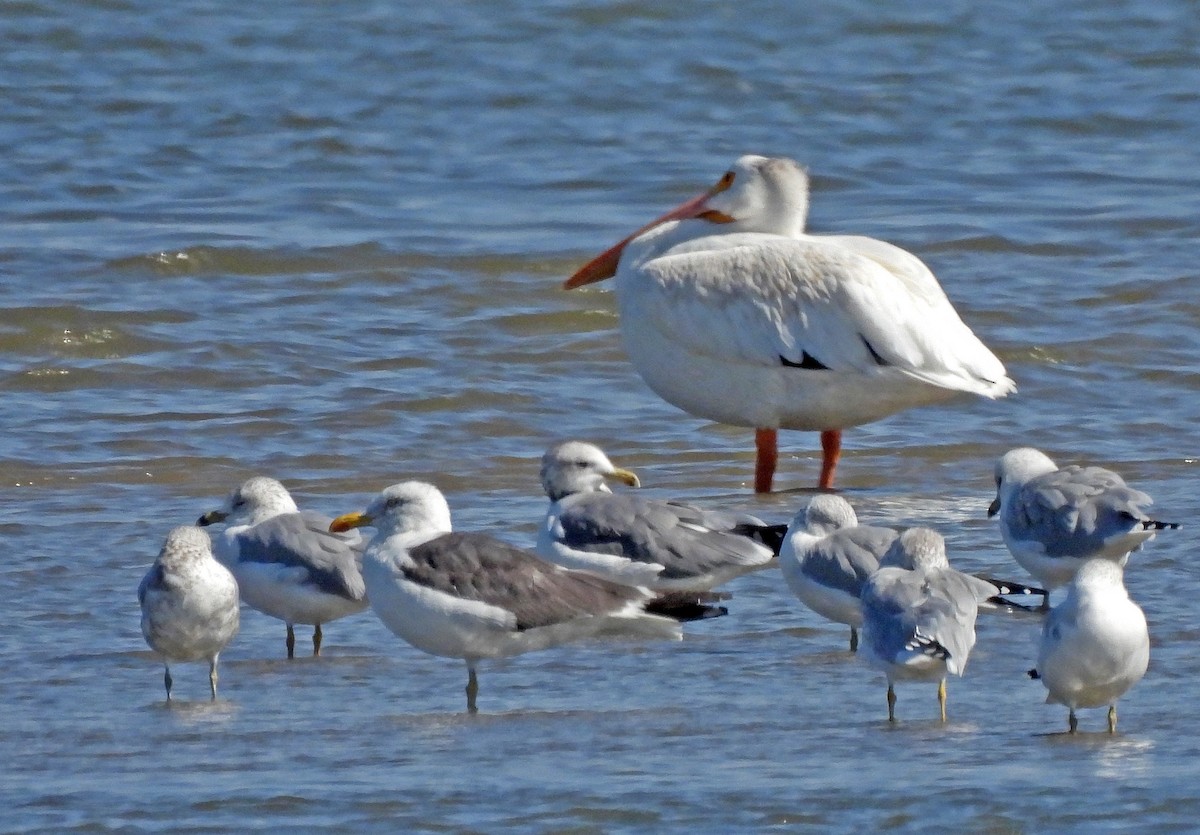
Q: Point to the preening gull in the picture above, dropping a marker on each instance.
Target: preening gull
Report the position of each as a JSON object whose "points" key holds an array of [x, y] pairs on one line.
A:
{"points": [[919, 614], [1053, 519], [472, 596], [827, 557], [1095, 644], [731, 312], [665, 546], [287, 563], [189, 603]]}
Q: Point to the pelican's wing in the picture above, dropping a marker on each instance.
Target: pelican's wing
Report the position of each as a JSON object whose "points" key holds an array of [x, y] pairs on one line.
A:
{"points": [[817, 304]]}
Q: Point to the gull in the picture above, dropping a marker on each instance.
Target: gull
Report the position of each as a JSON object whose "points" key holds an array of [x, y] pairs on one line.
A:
{"points": [[919, 614], [189, 603], [287, 563], [664, 546], [473, 596], [1095, 644], [1053, 519], [827, 557], [730, 311]]}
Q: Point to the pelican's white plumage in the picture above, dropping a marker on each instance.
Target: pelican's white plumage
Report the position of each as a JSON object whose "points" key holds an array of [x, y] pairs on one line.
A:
{"points": [[189, 603], [1053, 519], [472, 596], [730, 311], [287, 563], [1095, 644]]}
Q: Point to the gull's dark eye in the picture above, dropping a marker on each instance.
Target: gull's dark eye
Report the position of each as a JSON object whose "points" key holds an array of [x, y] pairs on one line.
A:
{"points": [[394, 501], [581, 464]]}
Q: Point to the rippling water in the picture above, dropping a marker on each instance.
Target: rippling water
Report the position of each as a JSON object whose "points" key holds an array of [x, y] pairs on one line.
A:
{"points": [[324, 242]]}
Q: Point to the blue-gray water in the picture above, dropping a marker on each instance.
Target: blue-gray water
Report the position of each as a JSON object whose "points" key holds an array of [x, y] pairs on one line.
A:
{"points": [[324, 242]]}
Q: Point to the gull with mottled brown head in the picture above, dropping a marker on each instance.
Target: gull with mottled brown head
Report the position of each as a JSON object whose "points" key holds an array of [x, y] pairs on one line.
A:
{"points": [[189, 603], [732, 312], [475, 597], [287, 563]]}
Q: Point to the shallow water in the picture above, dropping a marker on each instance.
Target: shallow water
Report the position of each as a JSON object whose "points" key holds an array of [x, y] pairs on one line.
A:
{"points": [[325, 244]]}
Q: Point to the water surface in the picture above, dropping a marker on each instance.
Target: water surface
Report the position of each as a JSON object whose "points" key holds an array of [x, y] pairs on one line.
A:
{"points": [[325, 244]]}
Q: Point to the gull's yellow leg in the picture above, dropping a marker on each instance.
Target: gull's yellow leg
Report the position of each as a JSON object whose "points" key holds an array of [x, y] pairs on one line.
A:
{"points": [[1112, 719], [942, 698]]}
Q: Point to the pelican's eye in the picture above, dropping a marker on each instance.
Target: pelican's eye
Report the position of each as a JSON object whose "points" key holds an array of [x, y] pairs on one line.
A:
{"points": [[725, 182]]}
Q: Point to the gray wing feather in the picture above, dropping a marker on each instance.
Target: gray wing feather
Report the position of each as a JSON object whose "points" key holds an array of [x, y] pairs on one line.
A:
{"points": [[678, 537], [476, 566], [846, 558], [303, 540], [1073, 511], [155, 579], [904, 605]]}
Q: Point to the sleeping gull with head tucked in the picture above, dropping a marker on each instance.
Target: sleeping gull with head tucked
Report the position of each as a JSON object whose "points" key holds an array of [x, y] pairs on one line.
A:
{"points": [[1053, 519], [287, 563], [189, 603], [827, 558], [665, 546], [472, 596], [1095, 644], [919, 614]]}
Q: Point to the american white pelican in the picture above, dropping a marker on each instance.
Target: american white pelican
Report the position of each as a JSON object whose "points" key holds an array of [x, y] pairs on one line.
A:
{"points": [[189, 603], [731, 312], [665, 546], [472, 596], [919, 614], [287, 563], [1053, 519], [1095, 644]]}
